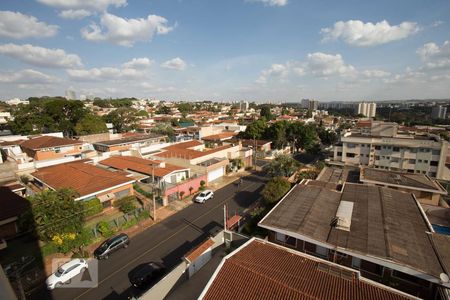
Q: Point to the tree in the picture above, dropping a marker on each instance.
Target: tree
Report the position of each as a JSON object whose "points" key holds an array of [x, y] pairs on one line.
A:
{"points": [[277, 134], [123, 119], [275, 189], [90, 124], [282, 165], [54, 213], [163, 110], [142, 113], [306, 136], [184, 108], [326, 137], [255, 130], [266, 113], [164, 129]]}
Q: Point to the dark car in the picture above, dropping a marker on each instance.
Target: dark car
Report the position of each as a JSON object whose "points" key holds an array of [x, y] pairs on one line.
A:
{"points": [[146, 275], [111, 245]]}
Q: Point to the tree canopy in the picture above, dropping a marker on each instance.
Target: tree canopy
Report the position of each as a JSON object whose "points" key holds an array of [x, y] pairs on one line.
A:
{"points": [[266, 113], [282, 165], [123, 119], [90, 124], [54, 213], [47, 114], [275, 189]]}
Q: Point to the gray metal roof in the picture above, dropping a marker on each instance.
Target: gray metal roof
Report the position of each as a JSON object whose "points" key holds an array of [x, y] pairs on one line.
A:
{"points": [[385, 223]]}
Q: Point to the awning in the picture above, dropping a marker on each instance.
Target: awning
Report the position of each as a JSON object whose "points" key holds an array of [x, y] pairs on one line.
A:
{"points": [[106, 197]]}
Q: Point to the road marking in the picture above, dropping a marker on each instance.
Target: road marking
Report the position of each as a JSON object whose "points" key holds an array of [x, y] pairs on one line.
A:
{"points": [[157, 245]]}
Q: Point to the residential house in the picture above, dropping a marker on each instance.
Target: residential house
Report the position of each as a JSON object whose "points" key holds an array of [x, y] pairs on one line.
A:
{"points": [[382, 232], [87, 180], [266, 271], [141, 143], [167, 178]]}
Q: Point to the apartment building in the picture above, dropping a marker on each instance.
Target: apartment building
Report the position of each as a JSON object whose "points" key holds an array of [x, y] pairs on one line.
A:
{"points": [[367, 109], [380, 145], [382, 232], [439, 112]]}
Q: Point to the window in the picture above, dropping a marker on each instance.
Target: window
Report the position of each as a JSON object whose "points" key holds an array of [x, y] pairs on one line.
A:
{"points": [[409, 278], [280, 237], [377, 147], [377, 157], [433, 174], [434, 163], [339, 154], [419, 160], [350, 155], [356, 263], [371, 267], [321, 251], [436, 152], [396, 149], [425, 161], [412, 161]]}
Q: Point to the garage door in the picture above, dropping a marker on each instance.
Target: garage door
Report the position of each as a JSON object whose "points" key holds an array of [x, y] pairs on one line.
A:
{"points": [[215, 174]]}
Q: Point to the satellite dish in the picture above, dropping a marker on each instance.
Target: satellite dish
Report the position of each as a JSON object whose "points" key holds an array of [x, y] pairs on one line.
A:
{"points": [[444, 278]]}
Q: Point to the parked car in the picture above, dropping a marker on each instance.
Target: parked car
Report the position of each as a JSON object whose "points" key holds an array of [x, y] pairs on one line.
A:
{"points": [[112, 245], [204, 196], [66, 272], [146, 275]]}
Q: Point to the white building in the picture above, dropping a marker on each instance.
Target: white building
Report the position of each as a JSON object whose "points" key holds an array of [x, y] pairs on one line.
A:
{"points": [[379, 145], [70, 94], [367, 109], [439, 112], [16, 101], [310, 104]]}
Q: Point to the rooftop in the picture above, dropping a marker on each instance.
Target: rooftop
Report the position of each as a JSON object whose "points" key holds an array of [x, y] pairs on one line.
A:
{"points": [[390, 178], [82, 177], [180, 150], [11, 204], [48, 142], [261, 270], [386, 224], [130, 139], [140, 165], [220, 136]]}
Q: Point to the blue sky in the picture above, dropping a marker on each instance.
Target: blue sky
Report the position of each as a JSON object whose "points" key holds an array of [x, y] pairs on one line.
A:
{"points": [[280, 50]]}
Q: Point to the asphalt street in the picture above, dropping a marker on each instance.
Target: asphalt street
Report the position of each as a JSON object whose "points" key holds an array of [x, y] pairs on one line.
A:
{"points": [[167, 242]]}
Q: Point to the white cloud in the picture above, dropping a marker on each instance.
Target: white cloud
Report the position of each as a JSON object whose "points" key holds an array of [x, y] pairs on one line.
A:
{"points": [[105, 73], [272, 2], [75, 14], [15, 25], [42, 57], [357, 33], [138, 63], [175, 64], [375, 73], [322, 65], [275, 71], [96, 5], [125, 32], [27, 76], [435, 56]]}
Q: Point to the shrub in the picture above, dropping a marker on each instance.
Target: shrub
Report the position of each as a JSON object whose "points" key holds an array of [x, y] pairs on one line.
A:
{"points": [[190, 190], [126, 204], [49, 248], [182, 194], [141, 191], [25, 179], [104, 229], [202, 185], [92, 207]]}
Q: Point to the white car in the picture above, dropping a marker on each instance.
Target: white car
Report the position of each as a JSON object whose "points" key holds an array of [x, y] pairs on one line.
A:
{"points": [[66, 272], [203, 196]]}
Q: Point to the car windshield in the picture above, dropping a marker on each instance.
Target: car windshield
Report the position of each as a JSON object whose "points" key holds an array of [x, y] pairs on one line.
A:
{"points": [[59, 272], [104, 246], [202, 194]]}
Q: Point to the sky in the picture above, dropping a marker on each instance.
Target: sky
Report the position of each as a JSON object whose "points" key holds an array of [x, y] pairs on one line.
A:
{"points": [[226, 50]]}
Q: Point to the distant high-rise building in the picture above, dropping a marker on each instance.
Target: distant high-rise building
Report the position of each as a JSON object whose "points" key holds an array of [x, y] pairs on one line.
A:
{"points": [[310, 104], [243, 105], [439, 112], [367, 109], [71, 95]]}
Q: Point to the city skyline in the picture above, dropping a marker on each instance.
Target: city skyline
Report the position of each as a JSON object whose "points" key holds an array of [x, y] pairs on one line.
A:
{"points": [[242, 49]]}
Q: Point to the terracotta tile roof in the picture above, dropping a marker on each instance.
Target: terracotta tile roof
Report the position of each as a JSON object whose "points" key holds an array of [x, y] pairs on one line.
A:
{"points": [[264, 271], [140, 165], [185, 145], [82, 177], [48, 142], [188, 153], [195, 253], [219, 136], [11, 204]]}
